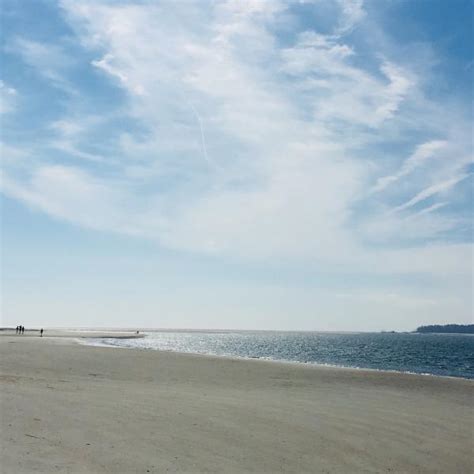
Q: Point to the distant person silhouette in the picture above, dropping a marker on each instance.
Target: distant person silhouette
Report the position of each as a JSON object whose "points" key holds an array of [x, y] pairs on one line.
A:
{"points": [[16, 330], [41, 332], [22, 329]]}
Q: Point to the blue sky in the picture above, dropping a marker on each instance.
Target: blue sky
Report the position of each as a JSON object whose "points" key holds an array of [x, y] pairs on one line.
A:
{"points": [[262, 165]]}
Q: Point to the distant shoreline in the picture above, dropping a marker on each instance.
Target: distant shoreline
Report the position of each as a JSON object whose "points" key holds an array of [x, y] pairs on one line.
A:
{"points": [[221, 330], [446, 329]]}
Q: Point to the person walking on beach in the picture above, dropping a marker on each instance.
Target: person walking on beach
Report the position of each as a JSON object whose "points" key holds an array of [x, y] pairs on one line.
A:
{"points": [[41, 332], [16, 330], [22, 329]]}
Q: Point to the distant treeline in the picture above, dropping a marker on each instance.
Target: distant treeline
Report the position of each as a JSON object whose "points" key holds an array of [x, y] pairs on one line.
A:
{"points": [[448, 328]]}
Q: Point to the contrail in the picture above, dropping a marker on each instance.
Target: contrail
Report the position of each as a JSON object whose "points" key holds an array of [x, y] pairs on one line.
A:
{"points": [[203, 138]]}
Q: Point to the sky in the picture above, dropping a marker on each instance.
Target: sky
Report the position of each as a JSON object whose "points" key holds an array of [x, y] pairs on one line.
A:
{"points": [[288, 165]]}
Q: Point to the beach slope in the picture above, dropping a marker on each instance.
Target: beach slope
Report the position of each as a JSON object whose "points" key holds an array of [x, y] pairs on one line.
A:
{"points": [[67, 407]]}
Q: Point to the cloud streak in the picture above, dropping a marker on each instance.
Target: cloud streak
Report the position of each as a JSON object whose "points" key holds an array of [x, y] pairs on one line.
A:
{"points": [[422, 153], [432, 191]]}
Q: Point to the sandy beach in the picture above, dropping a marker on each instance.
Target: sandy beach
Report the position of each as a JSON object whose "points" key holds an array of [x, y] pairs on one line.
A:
{"points": [[67, 407]]}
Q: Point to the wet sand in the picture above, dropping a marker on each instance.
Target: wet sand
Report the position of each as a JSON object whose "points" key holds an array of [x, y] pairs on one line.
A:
{"points": [[67, 407]]}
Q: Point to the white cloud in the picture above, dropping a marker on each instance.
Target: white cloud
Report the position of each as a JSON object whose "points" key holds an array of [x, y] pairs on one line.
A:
{"points": [[338, 91], [399, 85], [106, 64]]}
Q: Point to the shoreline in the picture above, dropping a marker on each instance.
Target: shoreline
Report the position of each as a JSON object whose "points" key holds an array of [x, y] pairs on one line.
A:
{"points": [[67, 407], [263, 359], [80, 335]]}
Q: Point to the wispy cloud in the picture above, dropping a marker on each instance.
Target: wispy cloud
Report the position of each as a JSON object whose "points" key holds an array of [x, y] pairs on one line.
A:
{"points": [[70, 134], [71, 194], [337, 90], [432, 190], [432, 208], [422, 153], [353, 12], [49, 60]]}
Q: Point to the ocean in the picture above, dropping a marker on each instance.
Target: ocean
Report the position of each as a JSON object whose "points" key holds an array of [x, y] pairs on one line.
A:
{"points": [[433, 354]]}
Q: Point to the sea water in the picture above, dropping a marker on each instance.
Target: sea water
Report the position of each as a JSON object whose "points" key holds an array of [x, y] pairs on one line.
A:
{"points": [[434, 354]]}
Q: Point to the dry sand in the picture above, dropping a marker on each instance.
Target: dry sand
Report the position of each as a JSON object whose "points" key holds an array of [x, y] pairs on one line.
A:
{"points": [[67, 407]]}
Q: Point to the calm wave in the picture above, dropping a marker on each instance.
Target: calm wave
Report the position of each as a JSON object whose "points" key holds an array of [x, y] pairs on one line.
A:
{"points": [[436, 354]]}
